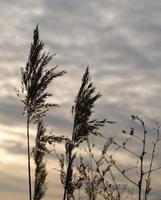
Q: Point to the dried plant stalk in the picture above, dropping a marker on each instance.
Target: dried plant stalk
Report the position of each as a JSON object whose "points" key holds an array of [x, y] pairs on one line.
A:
{"points": [[35, 78], [144, 174], [40, 185], [83, 125]]}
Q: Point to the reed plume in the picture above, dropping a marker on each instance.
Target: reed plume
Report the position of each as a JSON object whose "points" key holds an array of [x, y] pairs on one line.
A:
{"points": [[40, 185], [82, 110], [83, 125], [35, 78]]}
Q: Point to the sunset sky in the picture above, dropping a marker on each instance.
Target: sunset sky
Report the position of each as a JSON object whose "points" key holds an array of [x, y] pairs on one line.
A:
{"points": [[121, 43]]}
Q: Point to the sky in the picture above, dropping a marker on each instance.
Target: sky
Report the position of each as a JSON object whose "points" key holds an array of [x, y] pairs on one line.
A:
{"points": [[120, 41]]}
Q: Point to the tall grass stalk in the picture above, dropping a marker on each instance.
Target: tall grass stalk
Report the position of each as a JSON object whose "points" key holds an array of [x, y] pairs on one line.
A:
{"points": [[40, 185], [35, 78], [83, 125]]}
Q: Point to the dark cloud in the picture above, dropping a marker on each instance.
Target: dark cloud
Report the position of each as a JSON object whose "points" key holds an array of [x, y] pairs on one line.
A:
{"points": [[14, 147], [10, 111]]}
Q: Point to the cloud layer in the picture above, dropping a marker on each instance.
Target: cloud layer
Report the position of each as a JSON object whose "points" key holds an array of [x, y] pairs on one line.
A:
{"points": [[119, 40]]}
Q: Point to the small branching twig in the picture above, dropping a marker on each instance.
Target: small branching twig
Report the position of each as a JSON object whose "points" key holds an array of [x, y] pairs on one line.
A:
{"points": [[148, 179], [143, 187], [97, 171]]}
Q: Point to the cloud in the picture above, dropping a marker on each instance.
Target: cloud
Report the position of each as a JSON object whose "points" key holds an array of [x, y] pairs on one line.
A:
{"points": [[120, 40]]}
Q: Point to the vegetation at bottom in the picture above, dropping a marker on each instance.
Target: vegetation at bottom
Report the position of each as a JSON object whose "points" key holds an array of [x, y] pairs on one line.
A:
{"points": [[87, 170]]}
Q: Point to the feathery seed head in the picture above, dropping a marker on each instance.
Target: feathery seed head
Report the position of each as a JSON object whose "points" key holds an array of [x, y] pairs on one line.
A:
{"points": [[35, 78]]}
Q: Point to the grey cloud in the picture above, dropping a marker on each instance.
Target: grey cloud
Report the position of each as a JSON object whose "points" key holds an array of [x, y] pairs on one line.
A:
{"points": [[14, 147], [121, 46], [10, 111], [120, 40], [11, 114], [61, 123]]}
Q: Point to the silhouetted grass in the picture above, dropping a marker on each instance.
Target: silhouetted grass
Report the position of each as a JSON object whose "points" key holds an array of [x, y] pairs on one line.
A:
{"points": [[91, 174], [40, 185], [83, 127], [35, 78]]}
